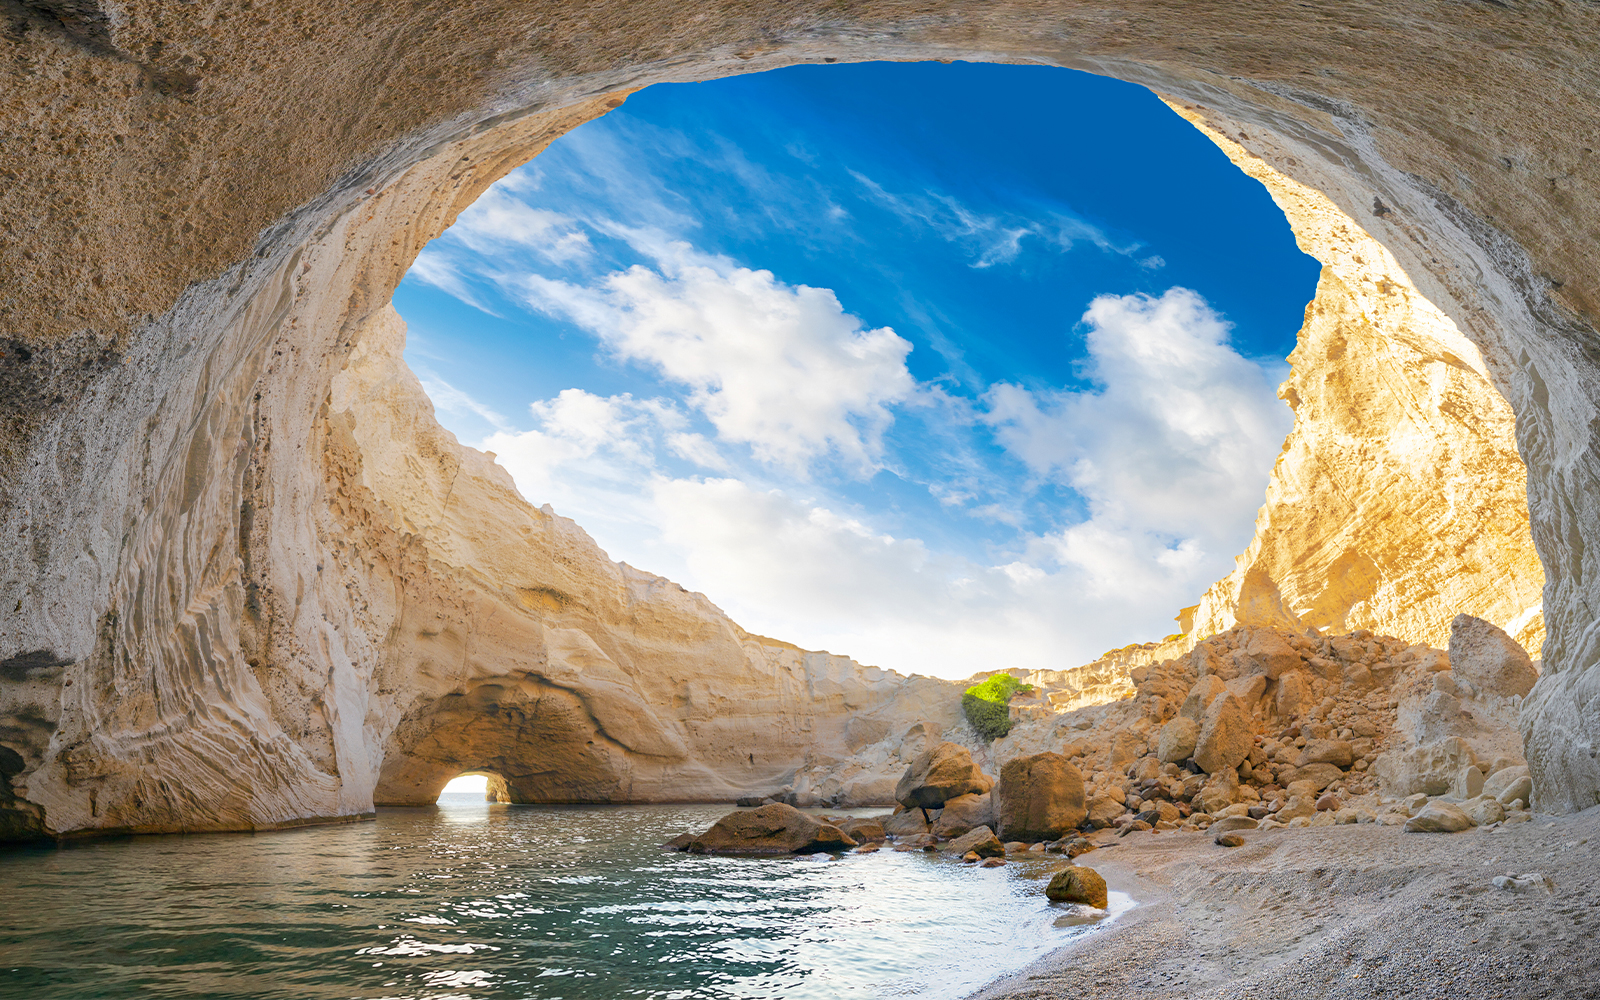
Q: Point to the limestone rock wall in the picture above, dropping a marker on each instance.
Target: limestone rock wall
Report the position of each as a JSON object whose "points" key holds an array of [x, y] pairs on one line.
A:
{"points": [[205, 210]]}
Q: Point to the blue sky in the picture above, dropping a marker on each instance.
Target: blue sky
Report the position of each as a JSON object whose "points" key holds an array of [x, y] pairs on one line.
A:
{"points": [[880, 358]]}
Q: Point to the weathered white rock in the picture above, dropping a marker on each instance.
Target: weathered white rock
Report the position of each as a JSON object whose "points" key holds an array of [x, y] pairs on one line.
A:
{"points": [[1427, 769], [1484, 810], [1490, 659]]}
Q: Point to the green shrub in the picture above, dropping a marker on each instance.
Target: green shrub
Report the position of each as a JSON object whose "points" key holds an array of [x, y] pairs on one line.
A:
{"points": [[986, 704]]}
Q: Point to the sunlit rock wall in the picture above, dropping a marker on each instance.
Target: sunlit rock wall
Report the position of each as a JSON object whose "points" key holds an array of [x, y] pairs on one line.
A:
{"points": [[214, 620], [1399, 499]]}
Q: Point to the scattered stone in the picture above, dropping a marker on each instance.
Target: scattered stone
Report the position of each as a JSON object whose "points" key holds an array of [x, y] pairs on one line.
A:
{"points": [[1531, 882], [750, 801], [1229, 840], [1329, 802], [866, 849], [1438, 817], [980, 841], [1137, 826], [992, 862], [1077, 884], [1015, 847], [1041, 797]]}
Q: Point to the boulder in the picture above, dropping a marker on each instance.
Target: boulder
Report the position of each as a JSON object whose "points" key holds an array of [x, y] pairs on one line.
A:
{"points": [[1294, 694], [906, 823], [1439, 817], [1468, 783], [939, 774], [1103, 810], [1484, 809], [1201, 696], [1040, 797], [1335, 752], [1489, 658], [1177, 740], [1319, 775], [1226, 735], [1270, 654], [769, 829], [863, 830], [963, 813], [1521, 788], [1228, 824], [1503, 779], [980, 841], [1077, 884], [1429, 769]]}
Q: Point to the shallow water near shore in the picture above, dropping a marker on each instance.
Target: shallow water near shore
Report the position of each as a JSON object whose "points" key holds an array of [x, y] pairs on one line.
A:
{"points": [[477, 901]]}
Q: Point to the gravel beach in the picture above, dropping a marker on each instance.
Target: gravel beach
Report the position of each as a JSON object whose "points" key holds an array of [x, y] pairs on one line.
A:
{"points": [[1343, 911]]}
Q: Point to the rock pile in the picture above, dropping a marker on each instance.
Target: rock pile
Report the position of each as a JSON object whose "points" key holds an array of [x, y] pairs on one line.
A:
{"points": [[1263, 727]]}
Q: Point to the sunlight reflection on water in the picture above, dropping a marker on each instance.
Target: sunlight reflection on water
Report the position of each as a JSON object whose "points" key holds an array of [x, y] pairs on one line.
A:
{"points": [[478, 901]]}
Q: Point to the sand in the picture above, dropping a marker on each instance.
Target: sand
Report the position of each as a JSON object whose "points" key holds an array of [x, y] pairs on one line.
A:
{"points": [[1348, 911]]}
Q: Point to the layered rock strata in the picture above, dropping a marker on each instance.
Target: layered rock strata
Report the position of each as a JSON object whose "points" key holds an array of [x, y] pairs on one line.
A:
{"points": [[206, 211]]}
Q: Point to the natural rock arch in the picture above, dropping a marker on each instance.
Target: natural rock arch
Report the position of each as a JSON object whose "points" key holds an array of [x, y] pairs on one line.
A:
{"points": [[231, 578]]}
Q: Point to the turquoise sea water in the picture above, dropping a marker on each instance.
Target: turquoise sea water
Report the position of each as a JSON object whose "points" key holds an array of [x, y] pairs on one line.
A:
{"points": [[477, 901]]}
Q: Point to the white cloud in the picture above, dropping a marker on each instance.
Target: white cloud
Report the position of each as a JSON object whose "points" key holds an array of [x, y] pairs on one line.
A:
{"points": [[1171, 449], [781, 368]]}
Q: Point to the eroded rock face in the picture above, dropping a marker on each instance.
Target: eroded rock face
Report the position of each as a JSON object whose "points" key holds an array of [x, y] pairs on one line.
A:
{"points": [[217, 619]]}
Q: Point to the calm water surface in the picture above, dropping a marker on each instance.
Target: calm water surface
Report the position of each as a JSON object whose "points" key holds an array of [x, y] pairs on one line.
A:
{"points": [[479, 901]]}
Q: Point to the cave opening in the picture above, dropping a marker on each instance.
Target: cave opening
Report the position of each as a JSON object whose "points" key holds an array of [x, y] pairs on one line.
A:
{"points": [[866, 352]]}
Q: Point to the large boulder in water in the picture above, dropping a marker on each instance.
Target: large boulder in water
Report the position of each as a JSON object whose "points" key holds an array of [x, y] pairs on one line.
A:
{"points": [[1041, 798], [938, 775], [1077, 884], [771, 829]]}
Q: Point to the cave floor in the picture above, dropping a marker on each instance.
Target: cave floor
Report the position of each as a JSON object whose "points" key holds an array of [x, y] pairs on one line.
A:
{"points": [[1346, 911]]}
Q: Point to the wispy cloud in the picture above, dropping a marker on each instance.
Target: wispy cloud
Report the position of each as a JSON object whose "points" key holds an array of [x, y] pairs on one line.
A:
{"points": [[991, 238]]}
